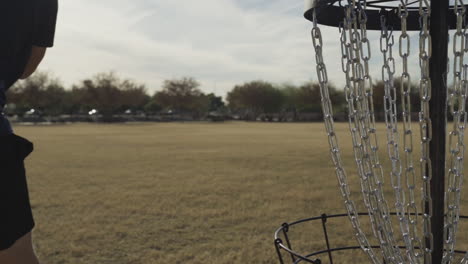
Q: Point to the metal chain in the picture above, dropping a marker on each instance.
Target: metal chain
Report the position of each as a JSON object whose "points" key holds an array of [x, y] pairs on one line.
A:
{"points": [[457, 102], [352, 97], [356, 53], [334, 146], [425, 124], [391, 115], [362, 125], [408, 213], [347, 53]]}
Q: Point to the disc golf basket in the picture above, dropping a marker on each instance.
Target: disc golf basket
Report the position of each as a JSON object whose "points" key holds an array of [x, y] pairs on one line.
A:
{"points": [[425, 168]]}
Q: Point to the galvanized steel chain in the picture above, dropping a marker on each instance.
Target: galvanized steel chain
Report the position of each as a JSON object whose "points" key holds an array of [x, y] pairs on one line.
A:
{"points": [[362, 127], [457, 103], [352, 98], [355, 97], [356, 54], [425, 124], [408, 212], [391, 115], [334, 146]]}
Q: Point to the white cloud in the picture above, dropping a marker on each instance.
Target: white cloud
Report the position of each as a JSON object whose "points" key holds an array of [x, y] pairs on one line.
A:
{"points": [[219, 42]]}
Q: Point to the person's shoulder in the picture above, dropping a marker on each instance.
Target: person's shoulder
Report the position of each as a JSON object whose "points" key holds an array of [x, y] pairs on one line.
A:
{"points": [[45, 18], [46, 3], [15, 14], [6, 5]]}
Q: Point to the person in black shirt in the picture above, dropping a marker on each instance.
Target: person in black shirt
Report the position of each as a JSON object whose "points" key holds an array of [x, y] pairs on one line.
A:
{"points": [[27, 29]]}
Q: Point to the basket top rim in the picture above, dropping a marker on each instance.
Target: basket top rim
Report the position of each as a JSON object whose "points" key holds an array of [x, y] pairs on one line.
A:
{"points": [[331, 13]]}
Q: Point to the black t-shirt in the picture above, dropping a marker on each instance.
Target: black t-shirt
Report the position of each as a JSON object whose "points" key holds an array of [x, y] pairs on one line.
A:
{"points": [[24, 23]]}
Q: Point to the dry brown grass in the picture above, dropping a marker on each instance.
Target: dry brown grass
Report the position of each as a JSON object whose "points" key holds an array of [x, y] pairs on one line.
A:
{"points": [[180, 193]]}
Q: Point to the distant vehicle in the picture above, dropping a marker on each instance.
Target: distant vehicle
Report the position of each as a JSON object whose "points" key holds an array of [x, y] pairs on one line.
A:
{"points": [[30, 112], [93, 112], [33, 115], [216, 117], [33, 112]]}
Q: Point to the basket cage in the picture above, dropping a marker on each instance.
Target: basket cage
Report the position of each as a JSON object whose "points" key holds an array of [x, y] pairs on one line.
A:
{"points": [[287, 248], [332, 13]]}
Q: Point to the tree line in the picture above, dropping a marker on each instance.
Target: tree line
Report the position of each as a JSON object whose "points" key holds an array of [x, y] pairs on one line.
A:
{"points": [[108, 95]]}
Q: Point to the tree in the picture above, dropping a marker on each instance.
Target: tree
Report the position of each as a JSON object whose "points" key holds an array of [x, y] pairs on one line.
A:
{"points": [[215, 102], [134, 96], [182, 95], [41, 92], [254, 98], [307, 98], [109, 94], [338, 99], [152, 107], [291, 94], [379, 93], [101, 93]]}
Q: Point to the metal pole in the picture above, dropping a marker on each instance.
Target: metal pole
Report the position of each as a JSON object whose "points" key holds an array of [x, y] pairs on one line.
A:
{"points": [[288, 243], [278, 250], [325, 233], [438, 112]]}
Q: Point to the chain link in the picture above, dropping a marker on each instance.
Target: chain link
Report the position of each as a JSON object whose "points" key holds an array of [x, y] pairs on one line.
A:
{"points": [[425, 124], [356, 54], [362, 126], [333, 140], [356, 102], [391, 114], [408, 222], [457, 102]]}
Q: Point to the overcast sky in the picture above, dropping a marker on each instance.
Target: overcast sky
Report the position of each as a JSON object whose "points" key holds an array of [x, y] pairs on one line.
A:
{"points": [[219, 42]]}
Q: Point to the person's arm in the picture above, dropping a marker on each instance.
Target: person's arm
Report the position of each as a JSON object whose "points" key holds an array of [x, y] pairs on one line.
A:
{"points": [[37, 54], [45, 17]]}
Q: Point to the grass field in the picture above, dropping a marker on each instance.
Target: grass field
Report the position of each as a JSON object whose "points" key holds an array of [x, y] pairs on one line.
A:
{"points": [[181, 193]]}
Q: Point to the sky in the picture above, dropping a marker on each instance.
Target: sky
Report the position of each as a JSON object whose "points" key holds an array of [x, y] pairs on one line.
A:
{"points": [[220, 43]]}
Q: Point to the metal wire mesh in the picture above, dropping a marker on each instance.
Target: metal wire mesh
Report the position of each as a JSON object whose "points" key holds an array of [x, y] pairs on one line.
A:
{"points": [[428, 227], [289, 250]]}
